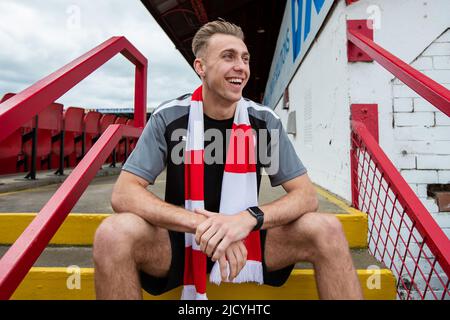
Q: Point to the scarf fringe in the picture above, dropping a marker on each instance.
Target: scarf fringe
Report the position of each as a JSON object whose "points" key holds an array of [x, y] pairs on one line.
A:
{"points": [[251, 272], [189, 293]]}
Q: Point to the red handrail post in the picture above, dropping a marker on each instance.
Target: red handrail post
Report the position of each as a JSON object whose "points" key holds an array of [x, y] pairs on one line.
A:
{"points": [[364, 27], [140, 84], [140, 96], [367, 114], [354, 171]]}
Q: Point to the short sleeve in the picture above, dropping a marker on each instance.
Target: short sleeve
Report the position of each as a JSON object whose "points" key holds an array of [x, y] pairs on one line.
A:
{"points": [[284, 162], [149, 157]]}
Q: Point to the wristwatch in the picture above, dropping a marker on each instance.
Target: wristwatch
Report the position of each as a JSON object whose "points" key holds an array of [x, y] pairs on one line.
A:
{"points": [[259, 216]]}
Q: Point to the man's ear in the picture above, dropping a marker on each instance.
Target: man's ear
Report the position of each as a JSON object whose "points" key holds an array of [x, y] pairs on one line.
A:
{"points": [[199, 67]]}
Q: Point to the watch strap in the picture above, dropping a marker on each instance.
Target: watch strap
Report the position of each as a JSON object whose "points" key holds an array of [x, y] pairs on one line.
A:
{"points": [[259, 215]]}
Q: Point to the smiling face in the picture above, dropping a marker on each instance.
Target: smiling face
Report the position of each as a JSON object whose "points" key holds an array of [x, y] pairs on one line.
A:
{"points": [[224, 68]]}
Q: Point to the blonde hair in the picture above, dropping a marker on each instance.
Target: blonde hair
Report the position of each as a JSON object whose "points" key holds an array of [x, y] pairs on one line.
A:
{"points": [[200, 41]]}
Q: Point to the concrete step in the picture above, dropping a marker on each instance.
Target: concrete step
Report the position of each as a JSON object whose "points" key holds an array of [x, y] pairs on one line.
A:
{"points": [[79, 229], [81, 256], [97, 197], [67, 273]]}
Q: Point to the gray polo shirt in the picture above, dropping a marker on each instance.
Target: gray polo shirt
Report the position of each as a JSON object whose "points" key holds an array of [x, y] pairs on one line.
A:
{"points": [[162, 142]]}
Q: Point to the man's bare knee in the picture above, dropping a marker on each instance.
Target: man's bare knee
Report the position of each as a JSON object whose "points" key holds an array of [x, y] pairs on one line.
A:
{"points": [[126, 237], [117, 236], [324, 232]]}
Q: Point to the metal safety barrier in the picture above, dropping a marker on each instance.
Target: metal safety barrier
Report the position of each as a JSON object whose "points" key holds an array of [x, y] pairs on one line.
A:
{"points": [[402, 233], [21, 256]]}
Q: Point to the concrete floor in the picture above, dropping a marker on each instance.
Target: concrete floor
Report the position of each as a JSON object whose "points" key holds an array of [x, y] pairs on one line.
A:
{"points": [[96, 199], [56, 256]]}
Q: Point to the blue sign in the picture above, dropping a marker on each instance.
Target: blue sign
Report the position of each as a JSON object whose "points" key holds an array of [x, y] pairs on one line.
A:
{"points": [[301, 22]]}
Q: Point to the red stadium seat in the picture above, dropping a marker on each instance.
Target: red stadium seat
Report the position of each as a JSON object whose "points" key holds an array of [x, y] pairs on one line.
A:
{"points": [[73, 129], [131, 141], [121, 120], [105, 121], [49, 127], [91, 129], [122, 146], [12, 157]]}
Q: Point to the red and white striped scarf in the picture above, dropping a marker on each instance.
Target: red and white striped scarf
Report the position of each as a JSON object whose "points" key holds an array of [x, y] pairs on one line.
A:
{"points": [[239, 191]]}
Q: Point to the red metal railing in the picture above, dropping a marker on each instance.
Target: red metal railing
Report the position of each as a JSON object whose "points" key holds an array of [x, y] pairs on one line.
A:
{"points": [[21, 256], [437, 95], [402, 233], [38, 96]]}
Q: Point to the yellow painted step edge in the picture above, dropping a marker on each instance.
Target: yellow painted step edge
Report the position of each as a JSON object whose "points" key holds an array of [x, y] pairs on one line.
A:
{"points": [[54, 283], [79, 228], [338, 202]]}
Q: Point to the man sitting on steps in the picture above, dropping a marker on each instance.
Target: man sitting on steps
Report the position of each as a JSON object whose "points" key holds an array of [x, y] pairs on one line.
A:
{"points": [[160, 245]]}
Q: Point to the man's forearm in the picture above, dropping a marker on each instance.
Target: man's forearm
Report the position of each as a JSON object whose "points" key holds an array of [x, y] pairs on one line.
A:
{"points": [[288, 208], [138, 200]]}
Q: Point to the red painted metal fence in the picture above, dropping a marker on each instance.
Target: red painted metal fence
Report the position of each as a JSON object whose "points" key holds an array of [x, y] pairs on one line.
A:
{"points": [[402, 233], [20, 257]]}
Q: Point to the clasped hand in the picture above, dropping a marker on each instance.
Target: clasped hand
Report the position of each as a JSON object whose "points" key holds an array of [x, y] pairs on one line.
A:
{"points": [[220, 237]]}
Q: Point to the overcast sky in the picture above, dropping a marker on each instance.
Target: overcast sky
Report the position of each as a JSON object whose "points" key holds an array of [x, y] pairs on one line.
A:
{"points": [[39, 37]]}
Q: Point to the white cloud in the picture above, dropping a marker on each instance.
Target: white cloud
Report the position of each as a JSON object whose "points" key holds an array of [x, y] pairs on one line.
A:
{"points": [[39, 37]]}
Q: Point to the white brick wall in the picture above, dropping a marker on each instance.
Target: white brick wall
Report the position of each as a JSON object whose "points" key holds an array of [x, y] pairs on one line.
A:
{"points": [[423, 63], [433, 162], [439, 75], [442, 119], [442, 218], [421, 131], [417, 119], [420, 176], [403, 105], [443, 176], [405, 161], [421, 190], [403, 91], [438, 49], [424, 147], [430, 204], [442, 63], [443, 38], [422, 105]]}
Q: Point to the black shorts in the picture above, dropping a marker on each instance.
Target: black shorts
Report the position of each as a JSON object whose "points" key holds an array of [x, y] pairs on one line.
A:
{"points": [[157, 286]]}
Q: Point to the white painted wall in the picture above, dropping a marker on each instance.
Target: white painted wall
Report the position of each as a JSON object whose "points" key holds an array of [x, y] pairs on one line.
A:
{"points": [[321, 84], [414, 135], [328, 84]]}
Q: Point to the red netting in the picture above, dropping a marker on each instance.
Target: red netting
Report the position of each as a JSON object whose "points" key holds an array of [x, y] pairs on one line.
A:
{"points": [[394, 238]]}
